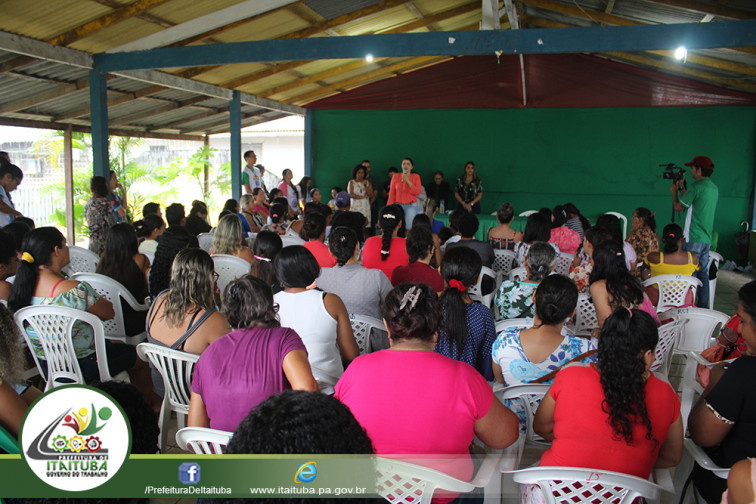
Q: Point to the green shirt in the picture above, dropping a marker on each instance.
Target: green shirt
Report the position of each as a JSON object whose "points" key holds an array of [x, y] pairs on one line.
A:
{"points": [[701, 201]]}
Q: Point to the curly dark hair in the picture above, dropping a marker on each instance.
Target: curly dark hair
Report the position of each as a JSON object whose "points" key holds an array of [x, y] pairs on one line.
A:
{"points": [[647, 217], [248, 303], [609, 264], [358, 168], [626, 336], [420, 319]]}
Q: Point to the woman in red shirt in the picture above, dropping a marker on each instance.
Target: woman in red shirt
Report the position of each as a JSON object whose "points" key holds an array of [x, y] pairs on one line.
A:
{"points": [[614, 415], [388, 251], [404, 189]]}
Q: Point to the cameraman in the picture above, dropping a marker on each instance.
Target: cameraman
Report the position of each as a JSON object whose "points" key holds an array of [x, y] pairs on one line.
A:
{"points": [[701, 201]]}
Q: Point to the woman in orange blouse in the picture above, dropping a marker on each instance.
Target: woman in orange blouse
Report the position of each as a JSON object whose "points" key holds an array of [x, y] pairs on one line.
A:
{"points": [[404, 189]]}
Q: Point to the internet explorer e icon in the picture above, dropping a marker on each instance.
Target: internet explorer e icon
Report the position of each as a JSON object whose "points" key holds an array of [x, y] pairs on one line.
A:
{"points": [[189, 473], [306, 473]]}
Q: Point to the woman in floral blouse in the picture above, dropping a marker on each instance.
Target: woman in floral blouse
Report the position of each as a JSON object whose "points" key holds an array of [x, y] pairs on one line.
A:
{"points": [[100, 216], [469, 190], [515, 298], [643, 236]]}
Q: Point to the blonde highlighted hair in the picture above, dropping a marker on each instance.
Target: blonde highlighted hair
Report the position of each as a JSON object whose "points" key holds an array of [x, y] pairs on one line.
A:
{"points": [[192, 286], [228, 237]]}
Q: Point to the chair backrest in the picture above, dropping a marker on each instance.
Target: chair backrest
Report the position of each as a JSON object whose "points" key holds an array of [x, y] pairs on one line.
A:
{"points": [[714, 259], [564, 261], [503, 261], [622, 218], [81, 260], [401, 482], [203, 440], [527, 213], [514, 322], [673, 289], [518, 274], [205, 241], [585, 316], [114, 291], [702, 327], [229, 268], [475, 290], [361, 327], [52, 327], [570, 485], [530, 396], [288, 240], [175, 367], [669, 334]]}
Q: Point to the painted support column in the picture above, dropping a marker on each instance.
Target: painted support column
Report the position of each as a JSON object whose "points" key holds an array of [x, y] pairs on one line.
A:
{"points": [[308, 143], [68, 172], [98, 103], [235, 130]]}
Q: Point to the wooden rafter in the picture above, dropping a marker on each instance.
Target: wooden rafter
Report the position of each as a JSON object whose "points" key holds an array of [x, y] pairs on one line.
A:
{"points": [[17, 62], [118, 15]]}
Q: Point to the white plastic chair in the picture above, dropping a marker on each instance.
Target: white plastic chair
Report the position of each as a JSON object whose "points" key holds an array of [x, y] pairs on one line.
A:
{"points": [[561, 485], [362, 325], [623, 219], [673, 289], [563, 263], [175, 367], [114, 291], [202, 440], [716, 259], [289, 240], [585, 316], [700, 331], [693, 454], [503, 261], [527, 213], [150, 256], [81, 261], [229, 268], [54, 327], [401, 482], [326, 382], [669, 334], [205, 241], [530, 396], [518, 274], [475, 292], [515, 322]]}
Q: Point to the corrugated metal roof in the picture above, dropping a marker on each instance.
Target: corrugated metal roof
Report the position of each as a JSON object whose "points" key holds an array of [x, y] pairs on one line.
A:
{"points": [[46, 19], [330, 9]]}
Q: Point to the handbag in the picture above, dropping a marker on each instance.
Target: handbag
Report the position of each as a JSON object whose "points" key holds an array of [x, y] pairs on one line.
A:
{"points": [[723, 350]]}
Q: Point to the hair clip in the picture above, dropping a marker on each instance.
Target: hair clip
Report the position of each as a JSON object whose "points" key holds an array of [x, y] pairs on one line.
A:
{"points": [[653, 214], [619, 254], [410, 297], [260, 258], [342, 238], [27, 257], [388, 216]]}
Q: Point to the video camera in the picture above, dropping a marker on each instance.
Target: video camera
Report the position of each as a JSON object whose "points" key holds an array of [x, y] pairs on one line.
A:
{"points": [[674, 173]]}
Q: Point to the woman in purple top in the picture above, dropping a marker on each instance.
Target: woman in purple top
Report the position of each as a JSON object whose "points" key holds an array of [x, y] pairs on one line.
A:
{"points": [[246, 366]]}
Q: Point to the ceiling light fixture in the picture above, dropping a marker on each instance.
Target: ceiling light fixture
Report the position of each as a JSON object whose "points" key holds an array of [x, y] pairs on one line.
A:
{"points": [[369, 58], [681, 53]]}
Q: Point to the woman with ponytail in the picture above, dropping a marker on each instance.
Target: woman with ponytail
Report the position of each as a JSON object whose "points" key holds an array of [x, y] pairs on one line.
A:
{"points": [[468, 330], [614, 415], [515, 298], [566, 239], [672, 260], [387, 251]]}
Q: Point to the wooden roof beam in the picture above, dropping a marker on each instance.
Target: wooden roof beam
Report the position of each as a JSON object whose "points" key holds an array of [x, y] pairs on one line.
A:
{"points": [[17, 62], [7, 121]]}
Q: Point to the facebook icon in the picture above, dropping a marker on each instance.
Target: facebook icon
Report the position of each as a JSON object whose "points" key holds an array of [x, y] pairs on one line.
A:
{"points": [[189, 473]]}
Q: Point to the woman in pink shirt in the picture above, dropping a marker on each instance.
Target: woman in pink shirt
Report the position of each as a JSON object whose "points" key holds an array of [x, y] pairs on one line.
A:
{"points": [[446, 411], [404, 189]]}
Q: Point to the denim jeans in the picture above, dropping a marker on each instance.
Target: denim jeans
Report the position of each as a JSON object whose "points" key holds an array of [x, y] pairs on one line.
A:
{"points": [[702, 249], [410, 210]]}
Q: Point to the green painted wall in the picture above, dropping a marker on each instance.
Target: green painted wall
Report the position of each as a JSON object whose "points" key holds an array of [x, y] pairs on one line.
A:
{"points": [[600, 159]]}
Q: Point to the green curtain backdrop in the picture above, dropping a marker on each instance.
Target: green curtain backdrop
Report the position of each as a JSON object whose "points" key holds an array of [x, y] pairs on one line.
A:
{"points": [[601, 159]]}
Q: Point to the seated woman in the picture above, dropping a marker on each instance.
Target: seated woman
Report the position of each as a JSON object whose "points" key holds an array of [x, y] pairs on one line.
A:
{"points": [[277, 219], [248, 203], [122, 262], [362, 289], [387, 251], [515, 299], [320, 319], [581, 271], [184, 317], [468, 330], [612, 285], [642, 236], [148, 229], [420, 249], [228, 239], [225, 387], [8, 264], [614, 415], [267, 245], [672, 261], [503, 237], [565, 238], [422, 219], [450, 402], [231, 206], [39, 281], [314, 230], [537, 228], [613, 225], [196, 221], [722, 420]]}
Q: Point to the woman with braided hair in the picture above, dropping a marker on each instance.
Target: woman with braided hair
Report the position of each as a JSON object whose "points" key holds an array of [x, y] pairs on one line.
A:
{"points": [[388, 251], [614, 415], [448, 400], [468, 331]]}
